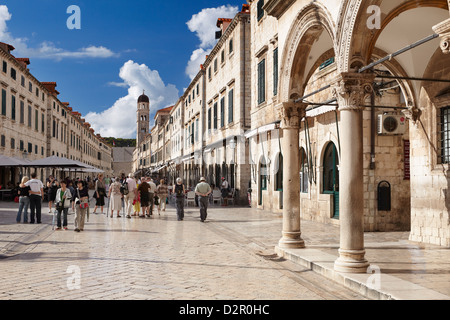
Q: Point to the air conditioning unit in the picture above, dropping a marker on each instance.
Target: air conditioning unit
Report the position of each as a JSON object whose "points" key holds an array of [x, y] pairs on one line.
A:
{"points": [[391, 124]]}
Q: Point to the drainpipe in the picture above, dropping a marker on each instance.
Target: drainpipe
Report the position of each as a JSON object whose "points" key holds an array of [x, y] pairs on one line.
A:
{"points": [[372, 131]]}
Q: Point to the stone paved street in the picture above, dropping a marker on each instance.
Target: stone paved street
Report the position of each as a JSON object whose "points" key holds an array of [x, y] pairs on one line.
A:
{"points": [[228, 257]]}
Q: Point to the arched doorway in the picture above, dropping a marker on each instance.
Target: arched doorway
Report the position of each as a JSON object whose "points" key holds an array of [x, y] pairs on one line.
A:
{"points": [[331, 176]]}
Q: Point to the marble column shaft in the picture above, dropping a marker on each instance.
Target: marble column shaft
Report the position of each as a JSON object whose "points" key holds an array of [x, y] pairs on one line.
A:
{"points": [[291, 114]]}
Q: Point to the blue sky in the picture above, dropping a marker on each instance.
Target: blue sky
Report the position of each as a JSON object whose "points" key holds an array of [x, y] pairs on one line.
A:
{"points": [[121, 47]]}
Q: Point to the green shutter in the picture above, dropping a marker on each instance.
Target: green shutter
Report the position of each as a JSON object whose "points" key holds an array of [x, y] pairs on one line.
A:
{"points": [[3, 102], [230, 105], [13, 107], [262, 81], [222, 112], [275, 72]]}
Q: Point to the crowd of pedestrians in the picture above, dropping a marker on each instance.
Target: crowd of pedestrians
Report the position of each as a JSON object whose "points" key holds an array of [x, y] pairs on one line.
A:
{"points": [[137, 198]]}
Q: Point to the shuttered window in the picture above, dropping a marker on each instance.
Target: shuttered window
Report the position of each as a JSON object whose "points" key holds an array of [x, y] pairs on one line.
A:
{"points": [[230, 105], [215, 115], [3, 102], [275, 72], [262, 81], [445, 135], [260, 11], [222, 112]]}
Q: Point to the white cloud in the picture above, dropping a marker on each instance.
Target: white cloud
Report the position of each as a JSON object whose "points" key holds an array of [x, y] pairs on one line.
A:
{"points": [[203, 24], [120, 120], [46, 50]]}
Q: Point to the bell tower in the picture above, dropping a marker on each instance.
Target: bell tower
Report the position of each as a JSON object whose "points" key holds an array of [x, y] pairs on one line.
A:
{"points": [[143, 118]]}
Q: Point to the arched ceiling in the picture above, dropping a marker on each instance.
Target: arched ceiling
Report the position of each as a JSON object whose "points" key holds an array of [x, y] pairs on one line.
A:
{"points": [[407, 28]]}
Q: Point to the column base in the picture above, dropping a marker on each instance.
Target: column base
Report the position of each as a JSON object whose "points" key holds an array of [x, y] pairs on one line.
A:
{"points": [[351, 261], [291, 240]]}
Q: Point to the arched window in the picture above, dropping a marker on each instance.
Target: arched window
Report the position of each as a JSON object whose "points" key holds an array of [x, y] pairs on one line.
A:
{"points": [[331, 176]]}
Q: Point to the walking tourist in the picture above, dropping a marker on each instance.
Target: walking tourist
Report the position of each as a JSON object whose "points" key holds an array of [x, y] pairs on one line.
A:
{"points": [[82, 205], [115, 198], [203, 190], [224, 190], [24, 200], [144, 196], [162, 192], [100, 193], [52, 186], [151, 192], [137, 201], [36, 197], [131, 195], [62, 204], [179, 198]]}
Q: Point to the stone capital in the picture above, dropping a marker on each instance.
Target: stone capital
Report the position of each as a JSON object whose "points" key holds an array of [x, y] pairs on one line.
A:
{"points": [[291, 114], [352, 89], [443, 29]]}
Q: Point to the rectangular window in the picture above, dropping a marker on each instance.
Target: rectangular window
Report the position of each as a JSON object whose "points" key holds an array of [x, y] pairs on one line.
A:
{"points": [[275, 72], [222, 112], [22, 112], [445, 135], [5, 67], [262, 81], [193, 133], [260, 11], [21, 145], [196, 129], [13, 73], [13, 143], [29, 116], [30, 87], [22, 81], [230, 105], [3, 141], [36, 120], [43, 123], [209, 119], [3, 102], [30, 148], [13, 107], [215, 115], [230, 46], [222, 56], [215, 65]]}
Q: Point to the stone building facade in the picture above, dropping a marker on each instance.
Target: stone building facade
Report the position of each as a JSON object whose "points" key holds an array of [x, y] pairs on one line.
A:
{"points": [[202, 134], [338, 124], [35, 124]]}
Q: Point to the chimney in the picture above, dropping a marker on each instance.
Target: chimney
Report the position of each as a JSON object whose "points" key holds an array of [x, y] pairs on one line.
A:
{"points": [[23, 61], [223, 24], [245, 8], [6, 47], [51, 87]]}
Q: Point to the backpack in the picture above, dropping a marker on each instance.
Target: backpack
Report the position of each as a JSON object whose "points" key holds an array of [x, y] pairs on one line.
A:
{"points": [[179, 190], [124, 188]]}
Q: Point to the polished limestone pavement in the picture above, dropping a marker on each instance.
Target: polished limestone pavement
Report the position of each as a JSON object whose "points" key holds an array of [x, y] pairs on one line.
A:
{"points": [[231, 256]]}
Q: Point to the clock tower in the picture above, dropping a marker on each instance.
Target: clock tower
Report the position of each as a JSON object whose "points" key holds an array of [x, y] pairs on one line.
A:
{"points": [[143, 118]]}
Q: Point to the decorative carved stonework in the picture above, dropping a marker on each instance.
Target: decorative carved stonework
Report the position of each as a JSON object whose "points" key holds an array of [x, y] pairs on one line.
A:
{"points": [[352, 89], [413, 114], [443, 29], [291, 114]]}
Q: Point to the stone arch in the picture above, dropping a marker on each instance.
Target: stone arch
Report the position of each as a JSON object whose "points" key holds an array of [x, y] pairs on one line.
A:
{"points": [[356, 42], [310, 23]]}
